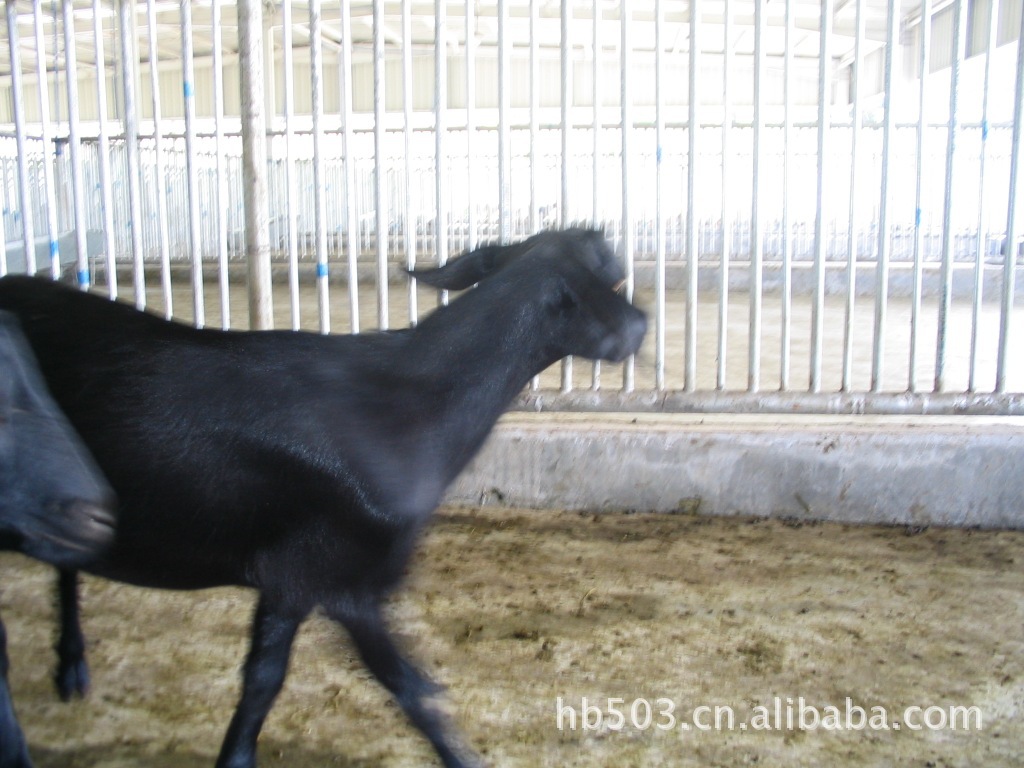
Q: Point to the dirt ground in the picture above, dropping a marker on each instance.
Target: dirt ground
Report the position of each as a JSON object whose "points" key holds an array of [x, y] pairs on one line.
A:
{"points": [[512, 609]]}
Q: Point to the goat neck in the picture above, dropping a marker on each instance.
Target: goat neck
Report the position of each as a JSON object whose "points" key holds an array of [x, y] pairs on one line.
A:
{"points": [[478, 353]]}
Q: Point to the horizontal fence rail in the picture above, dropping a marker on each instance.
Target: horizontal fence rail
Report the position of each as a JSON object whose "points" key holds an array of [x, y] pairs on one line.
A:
{"points": [[819, 203]]}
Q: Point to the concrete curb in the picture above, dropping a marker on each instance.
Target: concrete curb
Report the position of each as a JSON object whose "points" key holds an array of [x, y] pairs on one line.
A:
{"points": [[956, 471]]}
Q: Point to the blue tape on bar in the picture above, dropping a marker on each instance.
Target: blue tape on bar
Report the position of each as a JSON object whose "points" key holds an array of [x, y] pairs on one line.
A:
{"points": [[321, 270], [83, 277], [917, 218], [54, 249], [189, 91], [984, 130], [659, 153]]}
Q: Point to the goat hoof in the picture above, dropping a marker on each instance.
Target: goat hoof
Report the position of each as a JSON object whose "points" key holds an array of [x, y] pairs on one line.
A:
{"points": [[72, 680]]}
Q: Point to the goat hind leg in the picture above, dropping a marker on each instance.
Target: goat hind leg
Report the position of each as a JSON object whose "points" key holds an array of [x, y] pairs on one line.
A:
{"points": [[411, 689], [13, 751], [72, 670], [273, 632]]}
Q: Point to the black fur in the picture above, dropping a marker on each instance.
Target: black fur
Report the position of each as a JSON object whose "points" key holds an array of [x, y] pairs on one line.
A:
{"points": [[305, 466], [54, 504]]}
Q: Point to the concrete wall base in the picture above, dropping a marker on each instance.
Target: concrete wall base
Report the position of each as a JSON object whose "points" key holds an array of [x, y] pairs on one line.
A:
{"points": [[917, 471]]}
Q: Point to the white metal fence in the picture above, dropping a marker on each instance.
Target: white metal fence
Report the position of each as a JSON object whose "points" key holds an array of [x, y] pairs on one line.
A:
{"points": [[848, 193], [480, 215]]}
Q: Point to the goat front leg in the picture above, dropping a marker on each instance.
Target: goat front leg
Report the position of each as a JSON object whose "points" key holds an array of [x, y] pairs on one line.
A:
{"points": [[72, 670], [411, 689], [13, 751], [273, 632]]}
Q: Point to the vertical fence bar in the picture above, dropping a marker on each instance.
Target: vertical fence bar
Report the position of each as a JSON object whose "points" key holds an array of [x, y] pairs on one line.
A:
{"points": [[160, 182], [254, 163], [4, 267], [470, 51], [786, 320], [103, 148], [565, 61], [856, 119], [982, 242], [352, 220], [948, 236], [534, 115], [75, 148], [566, 72], [659, 130], [440, 132], [410, 197], [756, 216], [3, 230], [379, 170], [595, 374], [821, 217], [191, 163], [131, 138], [316, 70], [885, 201], [221, 164], [290, 170], [1010, 257], [629, 366], [692, 204], [726, 203], [504, 128], [915, 302], [46, 131], [596, 123], [535, 127], [28, 236]]}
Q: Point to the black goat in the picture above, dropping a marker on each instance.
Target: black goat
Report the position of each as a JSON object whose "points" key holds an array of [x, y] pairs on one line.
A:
{"points": [[304, 465], [54, 504]]}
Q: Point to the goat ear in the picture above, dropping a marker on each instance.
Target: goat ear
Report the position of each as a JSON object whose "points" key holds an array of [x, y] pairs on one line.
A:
{"points": [[467, 270]]}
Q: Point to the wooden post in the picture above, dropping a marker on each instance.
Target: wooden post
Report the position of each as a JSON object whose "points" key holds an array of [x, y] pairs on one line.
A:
{"points": [[254, 164]]}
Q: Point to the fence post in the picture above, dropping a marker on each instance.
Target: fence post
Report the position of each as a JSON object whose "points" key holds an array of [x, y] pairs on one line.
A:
{"points": [[254, 163], [18, 108]]}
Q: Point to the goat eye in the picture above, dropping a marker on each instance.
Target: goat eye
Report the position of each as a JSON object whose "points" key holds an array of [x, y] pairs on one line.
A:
{"points": [[566, 301]]}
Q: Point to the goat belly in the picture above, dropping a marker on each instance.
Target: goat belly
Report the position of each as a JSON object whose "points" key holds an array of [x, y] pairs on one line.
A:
{"points": [[212, 506]]}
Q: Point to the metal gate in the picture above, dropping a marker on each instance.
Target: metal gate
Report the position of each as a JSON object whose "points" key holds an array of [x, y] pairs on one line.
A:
{"points": [[818, 202]]}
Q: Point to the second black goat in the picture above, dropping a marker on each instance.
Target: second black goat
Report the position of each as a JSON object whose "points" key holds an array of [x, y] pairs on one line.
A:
{"points": [[54, 505], [305, 466]]}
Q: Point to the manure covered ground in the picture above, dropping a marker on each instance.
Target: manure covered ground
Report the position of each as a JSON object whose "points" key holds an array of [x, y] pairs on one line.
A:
{"points": [[673, 621]]}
